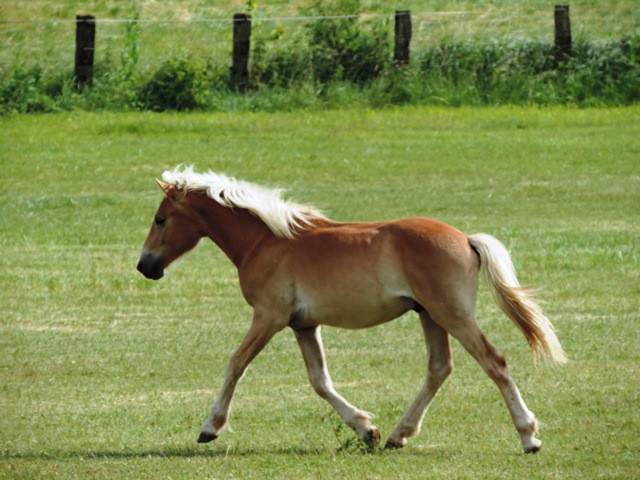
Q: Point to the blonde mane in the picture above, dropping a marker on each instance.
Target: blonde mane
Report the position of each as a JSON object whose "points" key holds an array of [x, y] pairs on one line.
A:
{"points": [[282, 217]]}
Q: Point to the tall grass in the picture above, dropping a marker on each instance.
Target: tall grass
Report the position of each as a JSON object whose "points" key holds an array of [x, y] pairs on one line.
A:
{"points": [[341, 62]]}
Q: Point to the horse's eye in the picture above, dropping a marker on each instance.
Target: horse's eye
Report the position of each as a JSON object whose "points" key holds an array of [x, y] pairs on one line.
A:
{"points": [[159, 220]]}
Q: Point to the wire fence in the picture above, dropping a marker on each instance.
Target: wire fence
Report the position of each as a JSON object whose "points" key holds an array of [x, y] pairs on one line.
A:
{"points": [[50, 41], [298, 18]]}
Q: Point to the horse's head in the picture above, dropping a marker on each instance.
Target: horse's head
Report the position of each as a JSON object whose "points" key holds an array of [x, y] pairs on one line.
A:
{"points": [[174, 231]]}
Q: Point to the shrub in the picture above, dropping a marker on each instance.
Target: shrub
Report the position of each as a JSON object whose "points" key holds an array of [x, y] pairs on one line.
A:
{"points": [[344, 49], [280, 58], [527, 72], [176, 85], [23, 91], [606, 71]]}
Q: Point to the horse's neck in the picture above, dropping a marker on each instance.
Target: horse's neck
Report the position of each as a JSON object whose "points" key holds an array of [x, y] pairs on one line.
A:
{"points": [[234, 230]]}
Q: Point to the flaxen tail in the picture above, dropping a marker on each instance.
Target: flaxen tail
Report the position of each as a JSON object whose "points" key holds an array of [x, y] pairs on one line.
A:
{"points": [[514, 300]]}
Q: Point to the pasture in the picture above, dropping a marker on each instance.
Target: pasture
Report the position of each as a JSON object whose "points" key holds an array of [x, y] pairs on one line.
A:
{"points": [[104, 374]]}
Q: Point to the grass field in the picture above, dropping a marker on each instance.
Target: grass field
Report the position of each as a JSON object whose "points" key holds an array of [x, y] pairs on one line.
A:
{"points": [[104, 374]]}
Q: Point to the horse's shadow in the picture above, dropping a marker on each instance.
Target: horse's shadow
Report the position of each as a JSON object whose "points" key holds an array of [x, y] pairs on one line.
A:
{"points": [[214, 453], [170, 452]]}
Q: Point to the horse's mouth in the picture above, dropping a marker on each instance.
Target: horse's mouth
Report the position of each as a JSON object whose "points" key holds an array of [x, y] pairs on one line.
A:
{"points": [[154, 274], [151, 266]]}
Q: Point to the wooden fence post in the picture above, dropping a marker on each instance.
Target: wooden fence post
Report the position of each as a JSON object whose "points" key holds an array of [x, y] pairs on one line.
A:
{"points": [[563, 32], [241, 48], [85, 44], [402, 37]]}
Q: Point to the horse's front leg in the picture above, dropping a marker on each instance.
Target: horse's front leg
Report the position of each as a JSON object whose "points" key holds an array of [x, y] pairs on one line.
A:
{"points": [[310, 343], [261, 331]]}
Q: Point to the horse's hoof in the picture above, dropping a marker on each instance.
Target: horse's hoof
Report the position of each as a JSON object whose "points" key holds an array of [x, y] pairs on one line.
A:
{"points": [[206, 437], [534, 447], [372, 438], [394, 444]]}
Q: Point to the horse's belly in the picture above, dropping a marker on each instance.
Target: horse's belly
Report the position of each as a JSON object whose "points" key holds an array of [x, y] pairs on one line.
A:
{"points": [[360, 317], [351, 308], [356, 289]]}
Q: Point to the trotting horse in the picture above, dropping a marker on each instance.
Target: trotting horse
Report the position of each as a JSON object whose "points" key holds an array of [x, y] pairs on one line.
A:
{"points": [[299, 269]]}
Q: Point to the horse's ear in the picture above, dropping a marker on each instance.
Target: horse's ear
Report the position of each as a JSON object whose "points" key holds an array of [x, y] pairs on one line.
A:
{"points": [[171, 191], [164, 186]]}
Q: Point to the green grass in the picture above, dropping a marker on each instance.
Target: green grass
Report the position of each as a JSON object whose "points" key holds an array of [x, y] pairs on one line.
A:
{"points": [[106, 375]]}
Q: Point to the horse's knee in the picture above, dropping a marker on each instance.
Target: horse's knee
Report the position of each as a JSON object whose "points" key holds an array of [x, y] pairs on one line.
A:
{"points": [[439, 371], [321, 386], [321, 390]]}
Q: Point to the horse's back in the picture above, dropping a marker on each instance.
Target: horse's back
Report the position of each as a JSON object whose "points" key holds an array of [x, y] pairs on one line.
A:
{"points": [[410, 238]]}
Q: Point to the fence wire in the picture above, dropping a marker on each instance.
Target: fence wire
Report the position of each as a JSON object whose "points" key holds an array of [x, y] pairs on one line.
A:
{"points": [[299, 18]]}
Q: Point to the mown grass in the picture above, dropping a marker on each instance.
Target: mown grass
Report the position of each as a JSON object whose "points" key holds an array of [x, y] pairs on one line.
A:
{"points": [[106, 375]]}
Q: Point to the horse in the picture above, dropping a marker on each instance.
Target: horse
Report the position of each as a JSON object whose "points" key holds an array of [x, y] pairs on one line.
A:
{"points": [[298, 268]]}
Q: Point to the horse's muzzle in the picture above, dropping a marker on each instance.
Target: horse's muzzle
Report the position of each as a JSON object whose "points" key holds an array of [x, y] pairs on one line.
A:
{"points": [[151, 265]]}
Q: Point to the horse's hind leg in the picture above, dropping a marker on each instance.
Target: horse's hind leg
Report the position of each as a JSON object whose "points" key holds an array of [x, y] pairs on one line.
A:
{"points": [[310, 343], [467, 332], [439, 367]]}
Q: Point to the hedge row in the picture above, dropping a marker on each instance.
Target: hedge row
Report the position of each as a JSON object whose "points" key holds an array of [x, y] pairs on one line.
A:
{"points": [[342, 62]]}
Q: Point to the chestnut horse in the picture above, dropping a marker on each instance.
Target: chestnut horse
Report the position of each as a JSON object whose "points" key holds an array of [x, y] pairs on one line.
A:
{"points": [[299, 269]]}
